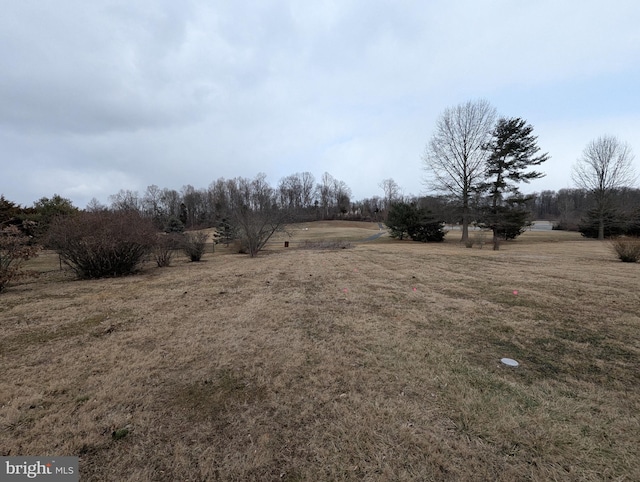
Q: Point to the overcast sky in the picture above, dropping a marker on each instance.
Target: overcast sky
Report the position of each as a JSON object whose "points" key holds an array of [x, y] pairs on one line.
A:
{"points": [[102, 95]]}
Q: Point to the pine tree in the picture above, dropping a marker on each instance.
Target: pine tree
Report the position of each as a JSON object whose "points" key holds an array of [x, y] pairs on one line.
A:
{"points": [[400, 218], [512, 151], [418, 223]]}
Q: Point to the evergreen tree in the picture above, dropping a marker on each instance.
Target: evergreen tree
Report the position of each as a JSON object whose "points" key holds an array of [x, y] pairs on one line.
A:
{"points": [[610, 223], [512, 151], [427, 229], [400, 218], [45, 210], [10, 212], [419, 224]]}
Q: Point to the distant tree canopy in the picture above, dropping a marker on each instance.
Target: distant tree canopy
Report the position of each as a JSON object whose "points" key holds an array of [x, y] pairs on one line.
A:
{"points": [[45, 210], [298, 194], [35, 221], [10, 212]]}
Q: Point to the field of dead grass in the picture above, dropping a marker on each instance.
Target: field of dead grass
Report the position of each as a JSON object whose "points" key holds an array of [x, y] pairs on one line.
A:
{"points": [[379, 362]]}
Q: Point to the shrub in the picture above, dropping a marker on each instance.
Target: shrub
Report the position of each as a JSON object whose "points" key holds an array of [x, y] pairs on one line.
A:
{"points": [[164, 248], [427, 229], [15, 249], [419, 224], [627, 248], [174, 225], [239, 246], [193, 245], [104, 243]]}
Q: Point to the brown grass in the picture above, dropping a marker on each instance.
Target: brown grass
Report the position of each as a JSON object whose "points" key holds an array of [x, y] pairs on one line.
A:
{"points": [[374, 363]]}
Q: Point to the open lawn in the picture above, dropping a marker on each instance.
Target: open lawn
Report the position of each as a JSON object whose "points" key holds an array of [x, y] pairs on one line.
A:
{"points": [[380, 362]]}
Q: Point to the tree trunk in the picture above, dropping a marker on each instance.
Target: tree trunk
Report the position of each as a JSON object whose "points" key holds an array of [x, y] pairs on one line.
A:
{"points": [[465, 217], [601, 228], [465, 230]]}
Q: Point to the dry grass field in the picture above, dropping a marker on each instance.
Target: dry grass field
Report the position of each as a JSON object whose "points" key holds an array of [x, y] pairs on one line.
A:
{"points": [[380, 363]]}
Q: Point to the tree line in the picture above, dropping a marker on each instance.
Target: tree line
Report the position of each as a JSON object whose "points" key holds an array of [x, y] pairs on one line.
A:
{"points": [[567, 209], [299, 194]]}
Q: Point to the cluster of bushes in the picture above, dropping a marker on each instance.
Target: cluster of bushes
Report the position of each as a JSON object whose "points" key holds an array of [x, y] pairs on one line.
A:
{"points": [[108, 243], [102, 243]]}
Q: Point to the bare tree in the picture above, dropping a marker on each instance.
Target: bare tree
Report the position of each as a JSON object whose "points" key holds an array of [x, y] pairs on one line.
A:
{"points": [[370, 208], [95, 206], [290, 192], [126, 200], [218, 195], [342, 196], [254, 211], [605, 166], [392, 192], [454, 157], [195, 203], [170, 200], [325, 193], [151, 203], [308, 183]]}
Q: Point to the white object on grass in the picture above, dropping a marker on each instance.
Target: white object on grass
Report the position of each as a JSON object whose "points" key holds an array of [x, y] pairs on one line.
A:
{"points": [[509, 362]]}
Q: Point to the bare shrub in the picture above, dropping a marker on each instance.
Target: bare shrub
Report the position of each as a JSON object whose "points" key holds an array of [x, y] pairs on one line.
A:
{"points": [[239, 246], [14, 251], [102, 244], [193, 245], [164, 249], [479, 238], [627, 248]]}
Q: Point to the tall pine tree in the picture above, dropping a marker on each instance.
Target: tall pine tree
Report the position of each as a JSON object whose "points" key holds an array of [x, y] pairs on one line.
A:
{"points": [[513, 149]]}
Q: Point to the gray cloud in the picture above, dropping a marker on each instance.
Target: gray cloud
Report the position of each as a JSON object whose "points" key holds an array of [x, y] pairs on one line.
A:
{"points": [[98, 96]]}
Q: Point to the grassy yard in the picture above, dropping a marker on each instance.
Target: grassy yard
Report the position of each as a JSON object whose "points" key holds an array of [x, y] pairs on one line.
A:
{"points": [[380, 362]]}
